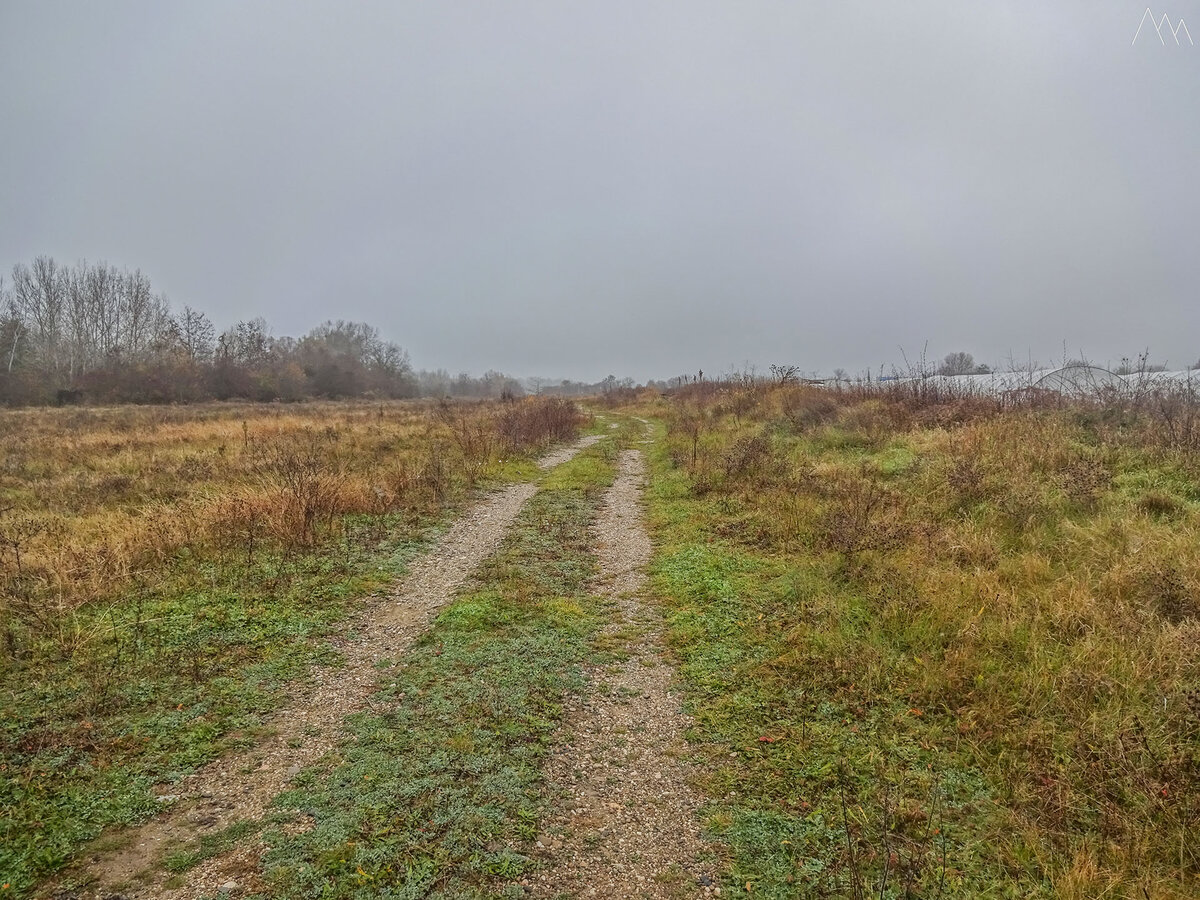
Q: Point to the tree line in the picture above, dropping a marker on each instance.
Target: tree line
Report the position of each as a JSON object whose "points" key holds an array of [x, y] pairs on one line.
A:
{"points": [[98, 333]]}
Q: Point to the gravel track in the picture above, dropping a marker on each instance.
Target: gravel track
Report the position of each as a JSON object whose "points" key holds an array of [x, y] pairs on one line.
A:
{"points": [[240, 786], [625, 821]]}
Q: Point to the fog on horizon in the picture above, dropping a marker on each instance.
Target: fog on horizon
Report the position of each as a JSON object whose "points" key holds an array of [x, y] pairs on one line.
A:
{"points": [[643, 189]]}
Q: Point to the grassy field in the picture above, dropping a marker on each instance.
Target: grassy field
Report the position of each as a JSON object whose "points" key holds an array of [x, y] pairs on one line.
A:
{"points": [[935, 648], [165, 572]]}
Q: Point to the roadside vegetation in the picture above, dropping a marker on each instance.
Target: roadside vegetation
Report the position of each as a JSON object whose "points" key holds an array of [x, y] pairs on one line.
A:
{"points": [[936, 646], [165, 572]]}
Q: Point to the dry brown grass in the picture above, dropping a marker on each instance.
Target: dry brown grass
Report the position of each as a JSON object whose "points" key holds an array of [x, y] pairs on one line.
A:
{"points": [[94, 498]]}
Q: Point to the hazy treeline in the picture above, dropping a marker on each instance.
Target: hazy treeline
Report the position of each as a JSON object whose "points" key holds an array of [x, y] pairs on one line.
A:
{"points": [[497, 385], [492, 385], [93, 332], [98, 334]]}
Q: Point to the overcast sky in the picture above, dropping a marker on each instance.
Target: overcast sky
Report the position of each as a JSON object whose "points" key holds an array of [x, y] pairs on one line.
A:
{"points": [[573, 189]]}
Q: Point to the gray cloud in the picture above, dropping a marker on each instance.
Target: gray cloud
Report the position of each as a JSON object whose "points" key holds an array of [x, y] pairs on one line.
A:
{"points": [[641, 188]]}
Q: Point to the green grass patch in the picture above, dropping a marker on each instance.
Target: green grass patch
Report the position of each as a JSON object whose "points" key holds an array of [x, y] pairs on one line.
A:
{"points": [[210, 845]]}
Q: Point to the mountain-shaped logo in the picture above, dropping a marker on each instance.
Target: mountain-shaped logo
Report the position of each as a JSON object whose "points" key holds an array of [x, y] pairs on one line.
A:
{"points": [[1158, 28]]}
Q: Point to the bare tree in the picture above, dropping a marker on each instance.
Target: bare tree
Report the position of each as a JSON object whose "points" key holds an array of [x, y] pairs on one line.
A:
{"points": [[145, 315], [957, 363], [197, 336], [40, 296], [785, 373], [248, 343], [11, 326]]}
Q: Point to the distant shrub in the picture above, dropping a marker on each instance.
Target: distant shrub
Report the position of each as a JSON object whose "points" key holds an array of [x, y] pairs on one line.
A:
{"points": [[857, 516], [746, 457], [538, 422], [805, 407]]}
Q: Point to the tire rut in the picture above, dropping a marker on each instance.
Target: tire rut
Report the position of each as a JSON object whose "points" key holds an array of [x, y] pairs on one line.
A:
{"points": [[625, 822]]}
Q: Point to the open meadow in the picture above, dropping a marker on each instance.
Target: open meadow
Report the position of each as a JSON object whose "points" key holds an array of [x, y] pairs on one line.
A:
{"points": [[924, 646]]}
